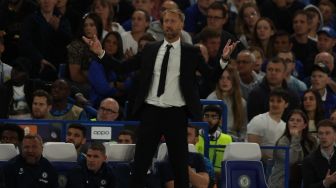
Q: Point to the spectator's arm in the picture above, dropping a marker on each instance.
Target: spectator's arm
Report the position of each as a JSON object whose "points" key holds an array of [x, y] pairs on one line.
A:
{"points": [[198, 180]]}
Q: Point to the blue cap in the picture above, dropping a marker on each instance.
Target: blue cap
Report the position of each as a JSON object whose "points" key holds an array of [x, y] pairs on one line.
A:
{"points": [[328, 31]]}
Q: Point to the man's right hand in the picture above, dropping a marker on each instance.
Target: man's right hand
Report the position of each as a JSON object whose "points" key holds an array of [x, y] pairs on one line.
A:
{"points": [[94, 45], [329, 179], [45, 63]]}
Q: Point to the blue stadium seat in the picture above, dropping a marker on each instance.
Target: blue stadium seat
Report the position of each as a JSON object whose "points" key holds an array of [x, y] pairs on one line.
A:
{"points": [[241, 166]]}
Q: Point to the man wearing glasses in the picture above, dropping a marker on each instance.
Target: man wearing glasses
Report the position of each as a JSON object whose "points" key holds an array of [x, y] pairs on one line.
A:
{"points": [[108, 110]]}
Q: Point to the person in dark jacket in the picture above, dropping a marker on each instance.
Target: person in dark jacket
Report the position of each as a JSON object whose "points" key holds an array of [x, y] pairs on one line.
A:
{"points": [[94, 173], [30, 169], [318, 169]]}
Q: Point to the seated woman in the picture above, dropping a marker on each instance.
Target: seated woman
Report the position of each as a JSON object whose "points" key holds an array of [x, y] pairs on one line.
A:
{"points": [[300, 143], [228, 90]]}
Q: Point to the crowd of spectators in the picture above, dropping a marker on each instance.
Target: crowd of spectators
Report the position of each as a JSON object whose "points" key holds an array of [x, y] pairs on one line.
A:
{"points": [[279, 86]]}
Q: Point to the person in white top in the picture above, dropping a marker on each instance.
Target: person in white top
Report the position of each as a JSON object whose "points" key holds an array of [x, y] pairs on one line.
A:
{"points": [[265, 129]]}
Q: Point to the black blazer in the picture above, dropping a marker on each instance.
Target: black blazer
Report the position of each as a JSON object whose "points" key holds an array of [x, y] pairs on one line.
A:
{"points": [[191, 60]]}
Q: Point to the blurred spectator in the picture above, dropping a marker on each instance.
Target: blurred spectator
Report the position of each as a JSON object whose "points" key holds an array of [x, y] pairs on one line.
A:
{"points": [[196, 15], [328, 59], [126, 137], [260, 58], [318, 168], [45, 35], [76, 134], [104, 9], [5, 69], [327, 9], [112, 44], [281, 12], [333, 116], [30, 168], [108, 110], [70, 13], [122, 10], [266, 128], [300, 144], [319, 81], [292, 82], [213, 115], [326, 39], [12, 15], [140, 23], [61, 108], [41, 106], [95, 172], [155, 27], [247, 18], [313, 107], [145, 5], [263, 37], [248, 78], [228, 90], [315, 21], [79, 55], [12, 134], [258, 100], [304, 48]]}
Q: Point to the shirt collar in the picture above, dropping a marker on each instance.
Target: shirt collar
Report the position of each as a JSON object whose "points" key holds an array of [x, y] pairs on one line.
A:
{"points": [[175, 44], [325, 154], [324, 96]]}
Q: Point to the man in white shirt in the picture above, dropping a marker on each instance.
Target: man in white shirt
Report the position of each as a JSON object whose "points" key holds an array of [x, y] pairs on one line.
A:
{"points": [[265, 129]]}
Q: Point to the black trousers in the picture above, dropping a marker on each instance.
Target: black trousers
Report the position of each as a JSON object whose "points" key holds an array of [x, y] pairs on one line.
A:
{"points": [[172, 123]]}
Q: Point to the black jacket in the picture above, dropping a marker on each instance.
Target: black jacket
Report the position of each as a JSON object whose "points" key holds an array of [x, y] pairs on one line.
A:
{"points": [[19, 174]]}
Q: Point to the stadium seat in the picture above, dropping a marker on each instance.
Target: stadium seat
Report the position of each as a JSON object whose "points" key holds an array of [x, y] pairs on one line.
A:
{"points": [[241, 166], [163, 152], [7, 151], [119, 152], [59, 152]]}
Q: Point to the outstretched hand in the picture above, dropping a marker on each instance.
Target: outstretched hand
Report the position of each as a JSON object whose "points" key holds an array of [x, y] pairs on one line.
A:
{"points": [[94, 45], [330, 178], [229, 48]]}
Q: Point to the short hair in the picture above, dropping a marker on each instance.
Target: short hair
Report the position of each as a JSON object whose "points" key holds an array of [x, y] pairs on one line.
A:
{"points": [[78, 126], [252, 56], [42, 93], [277, 60], [147, 16], [288, 51], [326, 123], [174, 11], [98, 146], [12, 127], [218, 6], [209, 33], [280, 92], [213, 108], [282, 33], [128, 132], [33, 137], [301, 12]]}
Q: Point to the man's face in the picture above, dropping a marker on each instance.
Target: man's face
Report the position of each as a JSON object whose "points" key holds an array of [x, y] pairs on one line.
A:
{"points": [[145, 5], [212, 45], [282, 43], [48, 5], [10, 137], [300, 24], [327, 137], [275, 73], [31, 150], [192, 138], [172, 25], [245, 64], [215, 19], [125, 139], [18, 77], [326, 59], [288, 58], [40, 107], [212, 118], [333, 117], [277, 105], [108, 111], [94, 159], [319, 80], [139, 22], [60, 90], [76, 137], [325, 43]]}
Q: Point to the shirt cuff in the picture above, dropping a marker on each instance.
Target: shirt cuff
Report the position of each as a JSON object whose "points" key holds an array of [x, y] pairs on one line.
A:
{"points": [[100, 56], [223, 63]]}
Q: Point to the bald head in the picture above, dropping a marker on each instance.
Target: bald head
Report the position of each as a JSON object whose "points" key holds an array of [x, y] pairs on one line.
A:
{"points": [[169, 5], [108, 110], [325, 58]]}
